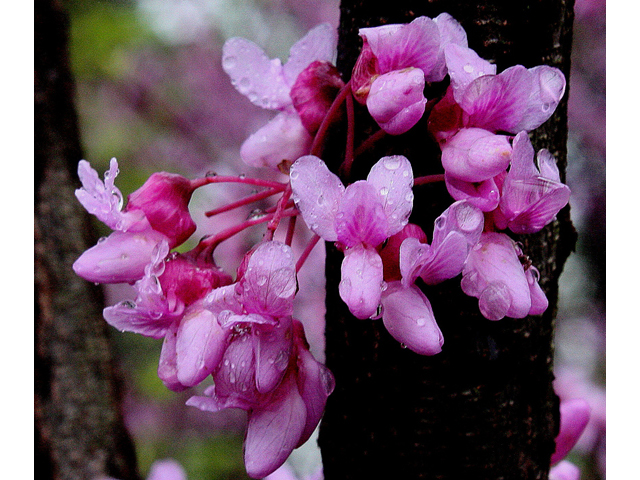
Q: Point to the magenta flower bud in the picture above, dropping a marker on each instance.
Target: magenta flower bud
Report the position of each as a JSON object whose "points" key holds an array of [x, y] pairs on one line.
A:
{"points": [[475, 155], [164, 199], [396, 100], [314, 91]]}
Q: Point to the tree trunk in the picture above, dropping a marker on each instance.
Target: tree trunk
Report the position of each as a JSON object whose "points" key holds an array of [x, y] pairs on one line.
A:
{"points": [[484, 407], [79, 431]]}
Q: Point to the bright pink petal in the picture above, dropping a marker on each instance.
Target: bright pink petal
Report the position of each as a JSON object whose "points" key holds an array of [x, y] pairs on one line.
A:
{"points": [[361, 217], [392, 177], [498, 102], [461, 217], [548, 85], [451, 32], [475, 155], [200, 344], [464, 66], [397, 47], [121, 257], [317, 193], [273, 353], [484, 195], [235, 378], [318, 44], [539, 301], [360, 287], [284, 138], [269, 282], [223, 299], [127, 316], [396, 100], [493, 273], [408, 317], [574, 416], [274, 430], [255, 76]]}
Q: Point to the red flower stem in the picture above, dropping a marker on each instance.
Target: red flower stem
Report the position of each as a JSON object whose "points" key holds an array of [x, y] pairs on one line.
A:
{"points": [[277, 216], [349, 153], [428, 179], [200, 182], [307, 251], [369, 142], [290, 231], [289, 204], [318, 142], [245, 201], [214, 241]]}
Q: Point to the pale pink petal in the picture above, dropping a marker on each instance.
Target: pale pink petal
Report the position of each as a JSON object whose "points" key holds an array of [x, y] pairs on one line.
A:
{"points": [[269, 282], [451, 32], [396, 100], [235, 378], [574, 416], [464, 66], [408, 317], [315, 383], [360, 286], [272, 354], [484, 195], [361, 217], [498, 102], [318, 44], [461, 217], [565, 470], [166, 470], [284, 138], [317, 193], [104, 199], [223, 299], [121, 257], [167, 370], [392, 177], [210, 402], [548, 85], [446, 260], [494, 274], [475, 155], [274, 430], [255, 76], [200, 344], [127, 316], [548, 166], [390, 253], [283, 473], [397, 47]]}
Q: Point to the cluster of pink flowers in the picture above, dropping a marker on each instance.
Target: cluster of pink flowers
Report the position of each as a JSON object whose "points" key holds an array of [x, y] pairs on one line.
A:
{"points": [[242, 333]]}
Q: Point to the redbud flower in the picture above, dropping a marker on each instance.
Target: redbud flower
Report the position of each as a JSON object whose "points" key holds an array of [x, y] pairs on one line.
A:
{"points": [[359, 218]]}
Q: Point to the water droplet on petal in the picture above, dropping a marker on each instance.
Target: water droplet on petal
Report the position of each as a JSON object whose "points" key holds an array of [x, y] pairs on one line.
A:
{"points": [[244, 82], [468, 68], [229, 62], [261, 280], [546, 107], [421, 322], [391, 163], [384, 191]]}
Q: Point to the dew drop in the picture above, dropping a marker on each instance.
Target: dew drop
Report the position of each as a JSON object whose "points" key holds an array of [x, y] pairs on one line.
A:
{"points": [[468, 68], [391, 163], [229, 62], [293, 174], [211, 174], [102, 239], [420, 322], [409, 197], [261, 280], [321, 200], [242, 176], [384, 191], [226, 363], [244, 82], [402, 345], [546, 107]]}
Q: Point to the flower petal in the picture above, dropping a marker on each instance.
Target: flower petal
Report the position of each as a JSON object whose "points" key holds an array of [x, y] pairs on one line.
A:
{"points": [[255, 76], [318, 44], [574, 417], [317, 193], [361, 217], [392, 177], [360, 286], [274, 430], [464, 66], [272, 354], [408, 317], [484, 195], [284, 138]]}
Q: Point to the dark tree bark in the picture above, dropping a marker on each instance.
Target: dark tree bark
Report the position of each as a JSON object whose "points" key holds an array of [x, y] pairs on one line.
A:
{"points": [[79, 431], [484, 407]]}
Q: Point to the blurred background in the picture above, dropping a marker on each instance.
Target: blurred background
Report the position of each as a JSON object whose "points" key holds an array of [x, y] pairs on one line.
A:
{"points": [[152, 93]]}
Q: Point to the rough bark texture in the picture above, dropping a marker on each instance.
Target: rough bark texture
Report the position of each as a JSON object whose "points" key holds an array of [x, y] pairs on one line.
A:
{"points": [[483, 408], [78, 426]]}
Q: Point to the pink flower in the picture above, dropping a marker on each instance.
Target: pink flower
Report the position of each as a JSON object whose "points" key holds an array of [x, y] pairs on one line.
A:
{"points": [[494, 274], [574, 416], [268, 84], [156, 213], [396, 61], [359, 218], [406, 311], [531, 196]]}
